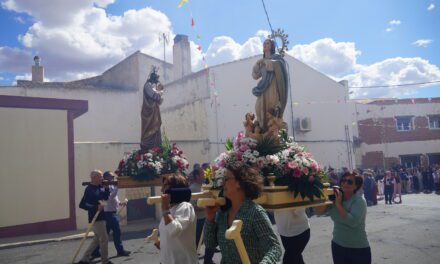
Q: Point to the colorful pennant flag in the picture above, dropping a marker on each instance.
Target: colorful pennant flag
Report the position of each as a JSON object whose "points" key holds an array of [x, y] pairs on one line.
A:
{"points": [[182, 3], [192, 22], [199, 48]]}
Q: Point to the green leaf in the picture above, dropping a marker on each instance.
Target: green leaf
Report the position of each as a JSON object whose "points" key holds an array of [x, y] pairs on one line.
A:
{"points": [[229, 145], [268, 146]]}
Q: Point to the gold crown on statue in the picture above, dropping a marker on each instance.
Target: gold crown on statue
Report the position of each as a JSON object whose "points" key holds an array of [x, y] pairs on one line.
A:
{"points": [[279, 34]]}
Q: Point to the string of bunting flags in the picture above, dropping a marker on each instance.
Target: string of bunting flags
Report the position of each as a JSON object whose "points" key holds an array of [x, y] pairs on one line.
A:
{"points": [[198, 38]]}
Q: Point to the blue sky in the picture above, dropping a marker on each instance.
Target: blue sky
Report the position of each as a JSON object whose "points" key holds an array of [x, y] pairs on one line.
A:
{"points": [[368, 42]]}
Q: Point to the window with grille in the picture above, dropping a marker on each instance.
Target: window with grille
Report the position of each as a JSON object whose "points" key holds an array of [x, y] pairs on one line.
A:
{"points": [[404, 123], [434, 121]]}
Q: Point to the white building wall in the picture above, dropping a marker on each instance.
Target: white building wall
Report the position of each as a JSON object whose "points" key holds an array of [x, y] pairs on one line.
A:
{"points": [[404, 148]]}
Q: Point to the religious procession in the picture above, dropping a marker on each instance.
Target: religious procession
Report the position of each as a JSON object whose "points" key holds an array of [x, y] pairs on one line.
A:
{"points": [[262, 157], [263, 170]]}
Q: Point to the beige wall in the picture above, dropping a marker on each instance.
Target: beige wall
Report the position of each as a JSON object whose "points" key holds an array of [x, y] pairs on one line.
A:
{"points": [[95, 155], [33, 160]]}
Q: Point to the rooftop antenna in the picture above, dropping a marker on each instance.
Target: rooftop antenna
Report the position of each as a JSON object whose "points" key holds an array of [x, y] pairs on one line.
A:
{"points": [[165, 37]]}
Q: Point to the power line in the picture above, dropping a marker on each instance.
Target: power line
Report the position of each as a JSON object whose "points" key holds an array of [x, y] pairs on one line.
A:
{"points": [[268, 20], [393, 85]]}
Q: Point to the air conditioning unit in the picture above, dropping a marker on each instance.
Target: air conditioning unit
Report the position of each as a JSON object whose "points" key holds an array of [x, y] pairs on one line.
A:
{"points": [[305, 124]]}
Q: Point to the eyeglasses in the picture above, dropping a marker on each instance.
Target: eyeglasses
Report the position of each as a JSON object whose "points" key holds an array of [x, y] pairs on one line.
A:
{"points": [[349, 182]]}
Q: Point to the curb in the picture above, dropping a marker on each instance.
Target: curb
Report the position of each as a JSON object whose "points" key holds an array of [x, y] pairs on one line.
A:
{"points": [[44, 241]]}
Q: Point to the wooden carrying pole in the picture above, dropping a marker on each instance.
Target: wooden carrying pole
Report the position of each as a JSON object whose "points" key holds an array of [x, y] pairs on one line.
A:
{"points": [[205, 202], [87, 232], [158, 199], [233, 233], [154, 237]]}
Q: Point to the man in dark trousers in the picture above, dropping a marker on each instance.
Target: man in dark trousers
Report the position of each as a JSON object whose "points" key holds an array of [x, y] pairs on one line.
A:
{"points": [[111, 217], [90, 202]]}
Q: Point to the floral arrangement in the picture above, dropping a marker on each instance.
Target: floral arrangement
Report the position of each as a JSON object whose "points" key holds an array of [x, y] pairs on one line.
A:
{"points": [[280, 156], [149, 165]]}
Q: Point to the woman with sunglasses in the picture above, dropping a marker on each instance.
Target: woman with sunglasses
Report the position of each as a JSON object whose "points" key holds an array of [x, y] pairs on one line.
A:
{"points": [[242, 185], [177, 227], [348, 212]]}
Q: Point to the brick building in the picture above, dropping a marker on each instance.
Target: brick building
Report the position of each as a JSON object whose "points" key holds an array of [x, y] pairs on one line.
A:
{"points": [[398, 131]]}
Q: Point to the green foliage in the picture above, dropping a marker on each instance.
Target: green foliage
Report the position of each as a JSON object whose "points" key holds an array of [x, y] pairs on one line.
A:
{"points": [[229, 145], [268, 146]]}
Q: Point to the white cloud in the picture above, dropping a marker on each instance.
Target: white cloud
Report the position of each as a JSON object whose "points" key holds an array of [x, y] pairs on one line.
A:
{"points": [[20, 19], [94, 41], [15, 60], [224, 49], [390, 72], [326, 55], [431, 7], [339, 61], [53, 13], [89, 40], [422, 42], [392, 25], [25, 77]]}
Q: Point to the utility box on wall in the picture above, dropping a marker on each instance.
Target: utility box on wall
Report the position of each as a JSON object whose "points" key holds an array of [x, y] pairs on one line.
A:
{"points": [[304, 124]]}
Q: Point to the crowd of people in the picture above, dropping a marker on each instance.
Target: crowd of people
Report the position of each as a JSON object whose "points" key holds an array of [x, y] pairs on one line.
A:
{"points": [[184, 226], [389, 185]]}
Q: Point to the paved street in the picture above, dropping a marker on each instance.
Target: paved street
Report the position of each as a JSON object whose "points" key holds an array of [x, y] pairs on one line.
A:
{"points": [[403, 234]]}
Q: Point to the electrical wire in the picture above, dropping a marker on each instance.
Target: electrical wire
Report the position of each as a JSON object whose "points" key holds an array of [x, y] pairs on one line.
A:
{"points": [[393, 85]]}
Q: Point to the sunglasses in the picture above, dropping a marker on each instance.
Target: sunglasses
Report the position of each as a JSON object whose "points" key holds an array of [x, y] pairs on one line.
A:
{"points": [[348, 181]]}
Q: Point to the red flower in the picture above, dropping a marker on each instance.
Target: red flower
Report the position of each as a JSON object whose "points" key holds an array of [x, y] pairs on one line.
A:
{"points": [[156, 150], [296, 173]]}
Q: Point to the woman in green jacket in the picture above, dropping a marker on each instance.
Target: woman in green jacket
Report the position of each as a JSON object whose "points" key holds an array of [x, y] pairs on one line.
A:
{"points": [[241, 186], [348, 212]]}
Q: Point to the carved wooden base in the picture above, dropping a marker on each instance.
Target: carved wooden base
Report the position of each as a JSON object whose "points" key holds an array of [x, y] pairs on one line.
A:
{"points": [[128, 182], [280, 198]]}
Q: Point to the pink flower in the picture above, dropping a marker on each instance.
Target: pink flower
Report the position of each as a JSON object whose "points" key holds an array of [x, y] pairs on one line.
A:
{"points": [[312, 179], [222, 163], [314, 166], [243, 148], [305, 170], [296, 173], [238, 156], [292, 165]]}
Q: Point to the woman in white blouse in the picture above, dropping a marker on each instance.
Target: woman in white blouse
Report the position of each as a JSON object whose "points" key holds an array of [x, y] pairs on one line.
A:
{"points": [[294, 229], [177, 227]]}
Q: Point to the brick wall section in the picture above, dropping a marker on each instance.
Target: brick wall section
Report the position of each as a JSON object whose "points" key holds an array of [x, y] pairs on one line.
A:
{"points": [[372, 159], [384, 130], [375, 159]]}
